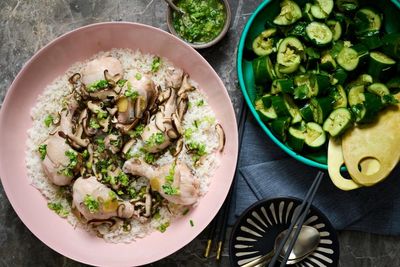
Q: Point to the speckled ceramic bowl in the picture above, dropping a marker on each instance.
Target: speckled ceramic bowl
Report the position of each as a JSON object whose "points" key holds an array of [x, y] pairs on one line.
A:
{"points": [[212, 42], [52, 61]]}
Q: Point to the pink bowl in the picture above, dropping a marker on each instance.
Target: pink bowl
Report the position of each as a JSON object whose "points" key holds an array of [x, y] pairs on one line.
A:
{"points": [[53, 60]]}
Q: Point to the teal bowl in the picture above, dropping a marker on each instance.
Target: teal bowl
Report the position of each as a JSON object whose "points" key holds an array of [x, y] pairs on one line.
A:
{"points": [[265, 11]]}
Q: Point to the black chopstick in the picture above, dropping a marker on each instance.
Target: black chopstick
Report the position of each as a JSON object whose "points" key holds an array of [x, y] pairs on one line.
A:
{"points": [[222, 231], [210, 237], [297, 220], [228, 201]]}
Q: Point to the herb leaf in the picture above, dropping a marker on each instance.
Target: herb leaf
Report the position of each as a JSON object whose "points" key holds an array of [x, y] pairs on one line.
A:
{"points": [[163, 227], [91, 204], [43, 151], [155, 65], [132, 94], [94, 124], [170, 190], [155, 139], [48, 120], [137, 131], [58, 208], [102, 84], [121, 82]]}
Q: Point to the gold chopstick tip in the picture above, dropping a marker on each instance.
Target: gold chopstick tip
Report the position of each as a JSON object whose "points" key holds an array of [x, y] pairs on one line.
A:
{"points": [[208, 247], [219, 248]]}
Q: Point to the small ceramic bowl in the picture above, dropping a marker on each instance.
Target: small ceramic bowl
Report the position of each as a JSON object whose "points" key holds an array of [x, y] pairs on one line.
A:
{"points": [[210, 43]]}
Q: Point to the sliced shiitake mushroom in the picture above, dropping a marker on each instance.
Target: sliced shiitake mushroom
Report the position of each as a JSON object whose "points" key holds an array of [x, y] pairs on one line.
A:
{"points": [[177, 123], [140, 106], [183, 106], [153, 98], [112, 80], [162, 97], [159, 120], [172, 134], [128, 145], [146, 117], [106, 94], [221, 137], [125, 128], [178, 148], [186, 86], [112, 111], [74, 79]]}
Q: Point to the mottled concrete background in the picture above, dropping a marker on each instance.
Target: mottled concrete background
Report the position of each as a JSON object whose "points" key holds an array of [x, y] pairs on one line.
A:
{"points": [[27, 25]]}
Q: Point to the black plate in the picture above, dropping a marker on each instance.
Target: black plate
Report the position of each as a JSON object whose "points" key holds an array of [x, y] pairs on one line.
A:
{"points": [[255, 231]]}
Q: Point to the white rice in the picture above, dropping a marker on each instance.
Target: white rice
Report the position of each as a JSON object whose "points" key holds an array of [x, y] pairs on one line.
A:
{"points": [[50, 102]]}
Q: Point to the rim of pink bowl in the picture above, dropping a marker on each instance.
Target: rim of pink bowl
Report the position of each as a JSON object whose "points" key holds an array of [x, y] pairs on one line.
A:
{"points": [[195, 231]]}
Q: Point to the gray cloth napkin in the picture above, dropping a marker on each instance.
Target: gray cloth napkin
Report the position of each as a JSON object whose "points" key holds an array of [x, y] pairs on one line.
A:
{"points": [[266, 171]]}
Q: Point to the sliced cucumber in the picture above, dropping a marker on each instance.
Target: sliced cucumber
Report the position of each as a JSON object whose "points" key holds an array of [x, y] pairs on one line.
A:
{"points": [[339, 97], [322, 8], [347, 5], [328, 62], [293, 109], [348, 59], [336, 29], [379, 63], [296, 138], [322, 84], [307, 12], [266, 114], [394, 85], [391, 45], [321, 108], [302, 92], [282, 85], [278, 74], [290, 13], [267, 100], [305, 86], [372, 106], [379, 89], [356, 95], [307, 113], [280, 127], [358, 111], [367, 21], [363, 79], [362, 52], [280, 106], [319, 33], [289, 56], [263, 44], [315, 136], [356, 99], [340, 75], [263, 70], [372, 42], [336, 48], [338, 122]]}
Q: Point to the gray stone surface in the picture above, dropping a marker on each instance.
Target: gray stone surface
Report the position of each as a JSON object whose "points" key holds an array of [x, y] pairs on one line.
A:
{"points": [[27, 25]]}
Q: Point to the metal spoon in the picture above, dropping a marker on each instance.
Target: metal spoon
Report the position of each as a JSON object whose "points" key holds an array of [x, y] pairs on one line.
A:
{"points": [[306, 243], [174, 7]]}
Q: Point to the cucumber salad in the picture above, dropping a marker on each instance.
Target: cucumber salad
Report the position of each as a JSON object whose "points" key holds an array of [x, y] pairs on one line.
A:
{"points": [[321, 67]]}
